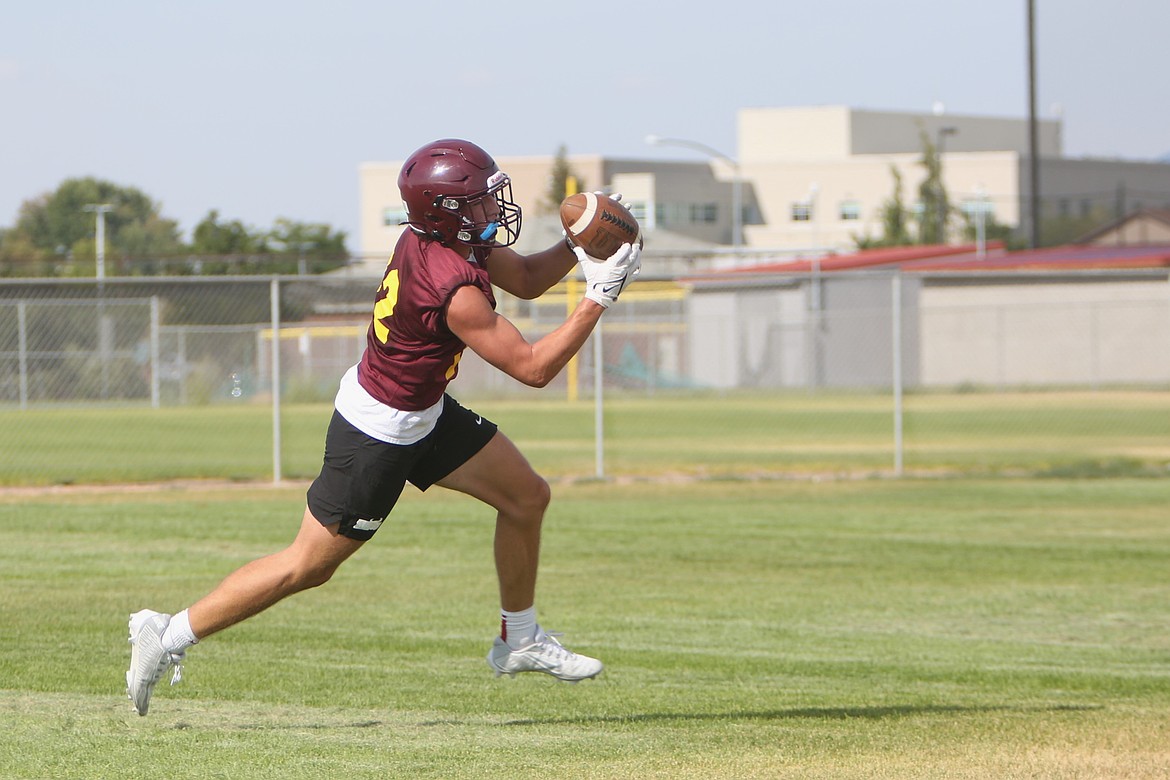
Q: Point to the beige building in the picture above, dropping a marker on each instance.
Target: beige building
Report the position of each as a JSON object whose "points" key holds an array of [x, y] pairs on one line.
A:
{"points": [[822, 174], [813, 180], [690, 194]]}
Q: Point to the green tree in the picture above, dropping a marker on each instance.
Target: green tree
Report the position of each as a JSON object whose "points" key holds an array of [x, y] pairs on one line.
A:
{"points": [[214, 237], [55, 234], [18, 257], [936, 208], [558, 182], [895, 228], [312, 247], [289, 246]]}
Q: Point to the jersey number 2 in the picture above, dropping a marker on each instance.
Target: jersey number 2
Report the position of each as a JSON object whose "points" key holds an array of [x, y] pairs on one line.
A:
{"points": [[385, 307]]}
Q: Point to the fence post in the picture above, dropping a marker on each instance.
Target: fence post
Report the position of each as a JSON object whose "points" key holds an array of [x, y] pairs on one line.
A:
{"points": [[598, 404], [22, 340], [181, 359], [274, 302], [154, 352], [896, 335]]}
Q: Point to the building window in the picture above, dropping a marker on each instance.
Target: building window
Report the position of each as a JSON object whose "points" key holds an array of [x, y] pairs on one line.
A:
{"points": [[802, 211], [850, 210], [680, 213], [704, 213], [393, 217], [639, 210], [660, 214]]}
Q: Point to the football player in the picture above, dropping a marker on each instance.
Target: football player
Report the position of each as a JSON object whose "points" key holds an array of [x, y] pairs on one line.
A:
{"points": [[393, 421]]}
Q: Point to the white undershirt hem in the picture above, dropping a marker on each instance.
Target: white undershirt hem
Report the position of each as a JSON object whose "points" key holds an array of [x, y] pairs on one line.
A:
{"points": [[379, 421]]}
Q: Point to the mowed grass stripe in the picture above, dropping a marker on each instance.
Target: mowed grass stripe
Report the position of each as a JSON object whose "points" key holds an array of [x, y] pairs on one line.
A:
{"points": [[1059, 434], [919, 628]]}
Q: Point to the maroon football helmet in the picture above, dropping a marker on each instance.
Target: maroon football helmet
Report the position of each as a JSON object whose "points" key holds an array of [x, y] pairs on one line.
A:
{"points": [[454, 191]]}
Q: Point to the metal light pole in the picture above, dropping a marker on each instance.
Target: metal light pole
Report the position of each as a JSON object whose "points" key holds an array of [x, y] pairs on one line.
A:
{"points": [[943, 132], [100, 209], [105, 325], [736, 181]]}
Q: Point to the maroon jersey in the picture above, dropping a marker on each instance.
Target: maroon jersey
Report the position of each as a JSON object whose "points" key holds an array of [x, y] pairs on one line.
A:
{"points": [[410, 354]]}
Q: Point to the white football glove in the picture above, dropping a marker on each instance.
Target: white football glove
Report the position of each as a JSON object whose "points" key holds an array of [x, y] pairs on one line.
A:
{"points": [[604, 281]]}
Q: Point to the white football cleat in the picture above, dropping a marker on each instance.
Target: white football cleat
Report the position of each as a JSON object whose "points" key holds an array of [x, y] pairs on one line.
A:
{"points": [[148, 659], [545, 654]]}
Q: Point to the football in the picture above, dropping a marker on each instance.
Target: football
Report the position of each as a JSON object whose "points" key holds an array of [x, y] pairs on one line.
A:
{"points": [[598, 224]]}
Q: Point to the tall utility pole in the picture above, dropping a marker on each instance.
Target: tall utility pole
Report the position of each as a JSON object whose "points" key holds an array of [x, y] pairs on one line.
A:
{"points": [[1033, 139], [100, 209], [105, 323]]}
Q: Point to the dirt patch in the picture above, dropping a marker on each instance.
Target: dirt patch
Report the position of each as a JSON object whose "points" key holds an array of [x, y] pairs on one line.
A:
{"points": [[180, 486]]}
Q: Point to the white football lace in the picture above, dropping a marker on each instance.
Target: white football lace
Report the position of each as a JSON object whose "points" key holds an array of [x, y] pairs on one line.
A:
{"points": [[552, 645], [177, 660]]}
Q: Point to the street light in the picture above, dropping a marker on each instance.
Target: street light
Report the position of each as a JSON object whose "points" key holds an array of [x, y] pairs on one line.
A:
{"points": [[736, 180], [105, 324], [100, 209], [943, 132]]}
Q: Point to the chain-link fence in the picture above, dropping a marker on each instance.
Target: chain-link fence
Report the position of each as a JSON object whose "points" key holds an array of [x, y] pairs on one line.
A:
{"points": [[82, 350]]}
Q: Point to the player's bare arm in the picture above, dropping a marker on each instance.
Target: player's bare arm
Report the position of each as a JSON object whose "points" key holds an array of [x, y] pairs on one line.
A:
{"points": [[496, 340], [529, 276]]}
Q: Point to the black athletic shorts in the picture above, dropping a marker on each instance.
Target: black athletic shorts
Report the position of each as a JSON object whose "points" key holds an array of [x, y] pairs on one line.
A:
{"points": [[361, 477]]}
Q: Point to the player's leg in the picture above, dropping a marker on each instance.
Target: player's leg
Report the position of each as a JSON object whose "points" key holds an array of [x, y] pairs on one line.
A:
{"points": [[497, 473], [312, 558], [160, 641], [359, 483], [500, 476]]}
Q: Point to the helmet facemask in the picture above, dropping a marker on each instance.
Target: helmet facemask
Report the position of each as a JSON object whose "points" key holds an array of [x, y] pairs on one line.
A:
{"points": [[481, 217]]}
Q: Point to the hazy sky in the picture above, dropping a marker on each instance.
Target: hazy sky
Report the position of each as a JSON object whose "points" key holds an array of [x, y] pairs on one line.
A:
{"points": [[263, 109]]}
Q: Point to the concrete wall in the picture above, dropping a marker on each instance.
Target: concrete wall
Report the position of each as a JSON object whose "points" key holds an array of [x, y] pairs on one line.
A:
{"points": [[1015, 333], [749, 337], [1077, 330]]}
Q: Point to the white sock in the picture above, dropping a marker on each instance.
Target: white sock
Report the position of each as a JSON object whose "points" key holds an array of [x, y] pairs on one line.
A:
{"points": [[178, 636], [518, 629]]}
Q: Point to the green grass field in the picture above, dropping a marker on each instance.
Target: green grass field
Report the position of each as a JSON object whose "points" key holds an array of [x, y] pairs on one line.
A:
{"points": [[736, 436], [918, 628]]}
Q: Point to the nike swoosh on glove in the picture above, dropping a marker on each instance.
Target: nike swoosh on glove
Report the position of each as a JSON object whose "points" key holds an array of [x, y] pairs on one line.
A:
{"points": [[604, 281]]}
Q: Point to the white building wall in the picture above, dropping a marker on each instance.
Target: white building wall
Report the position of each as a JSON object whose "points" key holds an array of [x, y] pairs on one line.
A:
{"points": [[867, 182], [837, 132], [801, 134]]}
